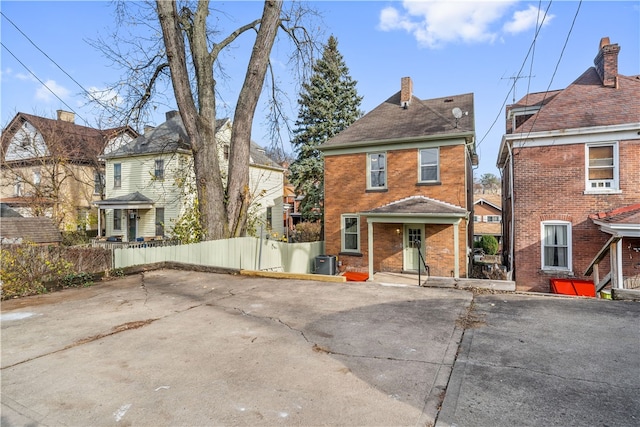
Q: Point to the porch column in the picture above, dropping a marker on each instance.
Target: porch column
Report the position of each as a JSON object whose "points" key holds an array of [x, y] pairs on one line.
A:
{"points": [[370, 249], [618, 260], [613, 261], [99, 224], [456, 249]]}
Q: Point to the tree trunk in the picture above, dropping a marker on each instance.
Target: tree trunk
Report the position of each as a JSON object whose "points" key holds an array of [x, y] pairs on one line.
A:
{"points": [[238, 191], [199, 125]]}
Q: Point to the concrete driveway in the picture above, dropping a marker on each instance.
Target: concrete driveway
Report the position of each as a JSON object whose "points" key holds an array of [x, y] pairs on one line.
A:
{"points": [[171, 347]]}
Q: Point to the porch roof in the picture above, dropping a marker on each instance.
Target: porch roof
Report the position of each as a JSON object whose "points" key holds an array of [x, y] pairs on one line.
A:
{"points": [[416, 209], [134, 200], [623, 221]]}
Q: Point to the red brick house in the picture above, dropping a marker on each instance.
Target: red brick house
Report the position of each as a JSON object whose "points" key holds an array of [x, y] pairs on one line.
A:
{"points": [[487, 217], [399, 179], [570, 162]]}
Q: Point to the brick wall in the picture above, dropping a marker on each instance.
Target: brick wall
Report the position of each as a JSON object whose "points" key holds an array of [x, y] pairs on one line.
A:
{"points": [[549, 185], [345, 192]]}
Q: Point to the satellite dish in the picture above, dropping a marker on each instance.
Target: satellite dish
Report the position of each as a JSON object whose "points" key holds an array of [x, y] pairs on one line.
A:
{"points": [[457, 113]]}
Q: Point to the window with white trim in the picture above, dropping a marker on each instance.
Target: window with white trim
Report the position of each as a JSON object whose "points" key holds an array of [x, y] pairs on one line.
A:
{"points": [[493, 218], [377, 171], [159, 169], [602, 167], [117, 219], [429, 159], [556, 245], [117, 175], [350, 233]]}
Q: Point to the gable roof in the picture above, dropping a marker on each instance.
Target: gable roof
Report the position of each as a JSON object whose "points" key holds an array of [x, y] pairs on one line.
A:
{"points": [[171, 136], [418, 205], [64, 138], [494, 200], [584, 103], [35, 229], [422, 118]]}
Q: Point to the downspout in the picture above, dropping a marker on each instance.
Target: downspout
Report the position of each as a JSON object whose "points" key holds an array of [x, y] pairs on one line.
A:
{"points": [[513, 222]]}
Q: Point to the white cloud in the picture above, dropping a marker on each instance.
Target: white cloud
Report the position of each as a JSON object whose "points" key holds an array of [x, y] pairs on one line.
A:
{"points": [[524, 20], [437, 23], [104, 96], [43, 94]]}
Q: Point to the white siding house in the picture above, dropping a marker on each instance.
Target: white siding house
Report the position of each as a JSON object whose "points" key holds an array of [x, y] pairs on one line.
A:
{"points": [[150, 182]]}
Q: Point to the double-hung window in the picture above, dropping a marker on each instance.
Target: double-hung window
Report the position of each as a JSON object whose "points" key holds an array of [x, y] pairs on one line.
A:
{"points": [[377, 171], [117, 219], [159, 221], [602, 167], [159, 171], [556, 245], [117, 175], [429, 165], [350, 233], [98, 183]]}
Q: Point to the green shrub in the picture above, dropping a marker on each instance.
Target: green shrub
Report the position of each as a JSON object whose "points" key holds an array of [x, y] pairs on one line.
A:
{"points": [[489, 244], [26, 267]]}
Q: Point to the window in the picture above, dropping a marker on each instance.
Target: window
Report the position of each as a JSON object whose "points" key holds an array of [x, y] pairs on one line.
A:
{"points": [[350, 233], [159, 174], [37, 178], [18, 187], [477, 218], [493, 218], [556, 245], [225, 150], [159, 221], [269, 217], [602, 167], [117, 175], [98, 183], [117, 219], [377, 166], [429, 170]]}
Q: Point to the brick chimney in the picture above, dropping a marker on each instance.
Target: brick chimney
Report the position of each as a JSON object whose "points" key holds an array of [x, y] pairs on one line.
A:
{"points": [[406, 91], [606, 62], [171, 114], [66, 116]]}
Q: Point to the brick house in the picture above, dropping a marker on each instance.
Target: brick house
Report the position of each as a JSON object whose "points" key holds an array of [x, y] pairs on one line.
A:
{"points": [[570, 161], [487, 217], [399, 179]]}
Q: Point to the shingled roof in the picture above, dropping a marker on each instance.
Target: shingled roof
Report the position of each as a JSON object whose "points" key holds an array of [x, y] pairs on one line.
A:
{"points": [[38, 230], [171, 136], [64, 138], [399, 120], [599, 97], [418, 205]]}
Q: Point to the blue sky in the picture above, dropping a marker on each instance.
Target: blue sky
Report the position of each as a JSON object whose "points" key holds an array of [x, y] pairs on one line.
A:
{"points": [[446, 47]]}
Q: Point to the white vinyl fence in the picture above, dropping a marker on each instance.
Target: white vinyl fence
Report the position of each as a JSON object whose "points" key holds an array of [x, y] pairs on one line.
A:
{"points": [[245, 253]]}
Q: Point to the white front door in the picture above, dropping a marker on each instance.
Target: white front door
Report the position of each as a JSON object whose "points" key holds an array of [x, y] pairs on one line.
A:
{"points": [[413, 239]]}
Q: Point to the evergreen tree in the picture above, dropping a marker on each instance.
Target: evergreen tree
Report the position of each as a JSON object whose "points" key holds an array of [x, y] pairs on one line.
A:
{"points": [[328, 104]]}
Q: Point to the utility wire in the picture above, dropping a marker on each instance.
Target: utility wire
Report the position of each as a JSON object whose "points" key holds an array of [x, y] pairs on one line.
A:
{"points": [[43, 83], [566, 41], [535, 37], [54, 62]]}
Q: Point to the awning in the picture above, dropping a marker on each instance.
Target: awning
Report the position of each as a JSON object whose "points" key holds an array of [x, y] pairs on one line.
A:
{"points": [[135, 200], [416, 209]]}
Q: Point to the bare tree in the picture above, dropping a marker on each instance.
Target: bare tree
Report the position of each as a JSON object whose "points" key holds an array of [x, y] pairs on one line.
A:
{"points": [[188, 51]]}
